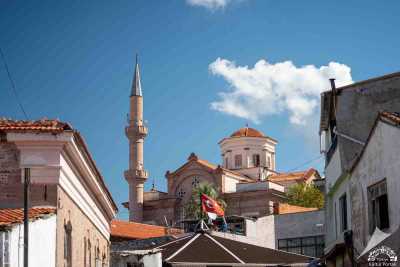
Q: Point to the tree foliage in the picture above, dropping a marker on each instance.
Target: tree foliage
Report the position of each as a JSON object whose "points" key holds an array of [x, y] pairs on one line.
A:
{"points": [[193, 207], [305, 195]]}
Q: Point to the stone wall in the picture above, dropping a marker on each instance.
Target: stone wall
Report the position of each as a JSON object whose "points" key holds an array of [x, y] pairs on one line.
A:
{"points": [[11, 186], [82, 229]]}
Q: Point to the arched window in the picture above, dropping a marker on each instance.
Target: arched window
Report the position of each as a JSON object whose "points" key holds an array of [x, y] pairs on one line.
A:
{"points": [[238, 161], [256, 160], [68, 244]]}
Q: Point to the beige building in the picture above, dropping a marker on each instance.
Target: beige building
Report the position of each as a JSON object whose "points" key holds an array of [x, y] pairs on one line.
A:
{"points": [[64, 179], [246, 177]]}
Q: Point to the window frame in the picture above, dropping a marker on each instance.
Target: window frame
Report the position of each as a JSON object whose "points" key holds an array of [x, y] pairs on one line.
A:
{"points": [[256, 160], [375, 193], [238, 158], [318, 243], [343, 213]]}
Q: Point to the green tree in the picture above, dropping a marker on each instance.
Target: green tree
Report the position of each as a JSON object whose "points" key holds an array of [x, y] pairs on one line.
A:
{"points": [[193, 207], [305, 195]]}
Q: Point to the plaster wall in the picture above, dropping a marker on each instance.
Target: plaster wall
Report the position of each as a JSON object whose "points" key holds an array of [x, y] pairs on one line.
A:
{"points": [[299, 224], [333, 170], [334, 233], [379, 161], [246, 147], [259, 232], [151, 259], [42, 237]]}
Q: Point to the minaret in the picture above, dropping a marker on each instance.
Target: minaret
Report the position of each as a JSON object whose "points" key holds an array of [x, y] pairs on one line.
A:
{"points": [[136, 131]]}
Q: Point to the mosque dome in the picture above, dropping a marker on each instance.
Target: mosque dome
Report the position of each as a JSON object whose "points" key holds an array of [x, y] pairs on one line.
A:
{"points": [[247, 132]]}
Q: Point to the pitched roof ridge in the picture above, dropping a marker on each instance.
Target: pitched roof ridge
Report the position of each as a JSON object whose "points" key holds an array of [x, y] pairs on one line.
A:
{"points": [[383, 77], [183, 247], [225, 248]]}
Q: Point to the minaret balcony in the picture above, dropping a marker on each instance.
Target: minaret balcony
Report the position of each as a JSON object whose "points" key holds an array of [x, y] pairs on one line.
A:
{"points": [[136, 131], [136, 175]]}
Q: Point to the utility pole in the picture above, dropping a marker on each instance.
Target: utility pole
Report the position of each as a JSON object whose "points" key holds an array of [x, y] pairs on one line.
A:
{"points": [[27, 181]]}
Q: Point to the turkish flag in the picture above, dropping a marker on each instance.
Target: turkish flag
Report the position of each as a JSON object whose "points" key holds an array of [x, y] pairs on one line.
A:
{"points": [[211, 207]]}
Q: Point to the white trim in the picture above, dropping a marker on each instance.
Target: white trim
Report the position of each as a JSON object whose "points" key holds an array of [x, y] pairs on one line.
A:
{"points": [[180, 239], [74, 189], [227, 250], [183, 247]]}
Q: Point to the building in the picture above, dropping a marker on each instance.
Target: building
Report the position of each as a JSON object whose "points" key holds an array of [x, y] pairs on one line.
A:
{"points": [[42, 224], [247, 178], [347, 116], [126, 230], [375, 187], [291, 228], [65, 179], [130, 242], [205, 248]]}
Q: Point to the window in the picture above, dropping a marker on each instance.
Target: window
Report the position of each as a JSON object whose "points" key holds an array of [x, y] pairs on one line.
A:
{"points": [[269, 165], [84, 252], [5, 249], [195, 182], [97, 256], [226, 163], [68, 244], [378, 206], [256, 160], [181, 193], [311, 246], [238, 161], [343, 212]]}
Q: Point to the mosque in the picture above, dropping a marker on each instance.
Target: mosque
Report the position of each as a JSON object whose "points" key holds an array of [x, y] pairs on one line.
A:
{"points": [[246, 177]]}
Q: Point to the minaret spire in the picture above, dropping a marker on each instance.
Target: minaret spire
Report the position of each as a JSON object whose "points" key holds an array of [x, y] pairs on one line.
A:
{"points": [[136, 83], [136, 131]]}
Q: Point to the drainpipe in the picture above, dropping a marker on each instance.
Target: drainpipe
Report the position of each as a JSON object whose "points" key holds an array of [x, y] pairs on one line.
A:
{"points": [[27, 174]]}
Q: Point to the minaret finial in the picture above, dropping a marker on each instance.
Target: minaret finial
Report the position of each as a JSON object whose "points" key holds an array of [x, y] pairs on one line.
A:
{"points": [[136, 84]]}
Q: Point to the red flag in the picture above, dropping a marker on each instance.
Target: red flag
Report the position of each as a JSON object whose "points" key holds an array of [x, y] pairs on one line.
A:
{"points": [[211, 207]]}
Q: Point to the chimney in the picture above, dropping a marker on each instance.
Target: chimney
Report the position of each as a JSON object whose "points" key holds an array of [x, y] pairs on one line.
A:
{"points": [[333, 85]]}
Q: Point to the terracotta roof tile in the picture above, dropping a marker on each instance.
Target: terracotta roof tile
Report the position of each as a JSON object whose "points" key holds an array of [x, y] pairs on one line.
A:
{"points": [[247, 132], [392, 116], [284, 208], [133, 230], [12, 216], [53, 126], [290, 176], [43, 125]]}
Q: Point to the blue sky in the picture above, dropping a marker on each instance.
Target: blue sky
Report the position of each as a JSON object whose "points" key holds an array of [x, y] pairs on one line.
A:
{"points": [[74, 60]]}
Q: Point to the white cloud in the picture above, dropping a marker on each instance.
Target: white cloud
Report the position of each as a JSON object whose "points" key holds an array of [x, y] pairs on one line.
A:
{"points": [[275, 88], [210, 4]]}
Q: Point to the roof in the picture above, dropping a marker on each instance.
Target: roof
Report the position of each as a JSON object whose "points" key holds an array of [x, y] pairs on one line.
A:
{"points": [[133, 230], [43, 125], [55, 127], [205, 248], [357, 104], [13, 216], [194, 158], [284, 208], [247, 132], [136, 84], [392, 118], [293, 176]]}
